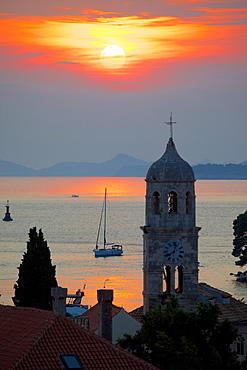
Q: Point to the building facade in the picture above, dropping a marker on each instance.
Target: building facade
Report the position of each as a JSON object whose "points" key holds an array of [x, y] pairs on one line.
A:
{"points": [[170, 235]]}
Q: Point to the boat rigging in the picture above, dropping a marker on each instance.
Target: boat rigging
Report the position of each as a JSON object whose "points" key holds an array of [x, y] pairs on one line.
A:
{"points": [[109, 249]]}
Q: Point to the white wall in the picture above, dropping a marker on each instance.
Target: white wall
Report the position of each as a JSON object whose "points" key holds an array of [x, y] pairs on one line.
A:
{"points": [[123, 323]]}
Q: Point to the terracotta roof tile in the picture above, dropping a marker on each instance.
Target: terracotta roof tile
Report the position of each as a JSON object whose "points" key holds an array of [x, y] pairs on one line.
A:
{"points": [[214, 290], [235, 311], [33, 339], [137, 314], [92, 315]]}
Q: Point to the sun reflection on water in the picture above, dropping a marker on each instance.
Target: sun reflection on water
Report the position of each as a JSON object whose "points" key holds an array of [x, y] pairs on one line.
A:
{"points": [[70, 226]]}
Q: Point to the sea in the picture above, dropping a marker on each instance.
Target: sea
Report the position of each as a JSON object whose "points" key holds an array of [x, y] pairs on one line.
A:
{"points": [[70, 225]]}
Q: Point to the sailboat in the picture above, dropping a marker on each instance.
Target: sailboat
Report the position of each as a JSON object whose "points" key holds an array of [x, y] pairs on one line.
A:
{"points": [[109, 249]]}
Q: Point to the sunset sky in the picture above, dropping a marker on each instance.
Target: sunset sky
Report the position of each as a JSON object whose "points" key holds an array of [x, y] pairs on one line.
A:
{"points": [[87, 80]]}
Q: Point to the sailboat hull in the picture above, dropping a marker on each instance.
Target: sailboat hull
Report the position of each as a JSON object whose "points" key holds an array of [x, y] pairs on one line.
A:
{"points": [[116, 250]]}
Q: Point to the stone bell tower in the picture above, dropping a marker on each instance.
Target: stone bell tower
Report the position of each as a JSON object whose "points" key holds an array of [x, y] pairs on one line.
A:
{"points": [[170, 237]]}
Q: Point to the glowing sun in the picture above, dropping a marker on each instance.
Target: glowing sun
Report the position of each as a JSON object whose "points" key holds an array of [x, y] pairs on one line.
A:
{"points": [[112, 56]]}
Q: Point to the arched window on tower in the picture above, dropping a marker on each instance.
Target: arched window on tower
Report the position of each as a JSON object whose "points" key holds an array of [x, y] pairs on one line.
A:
{"points": [[188, 202], [180, 279], [156, 202], [167, 279], [173, 279], [172, 202]]}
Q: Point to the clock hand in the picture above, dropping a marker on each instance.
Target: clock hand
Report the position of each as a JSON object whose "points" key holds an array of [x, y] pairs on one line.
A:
{"points": [[169, 254]]}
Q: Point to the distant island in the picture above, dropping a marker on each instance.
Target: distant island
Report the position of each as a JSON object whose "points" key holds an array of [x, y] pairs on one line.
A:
{"points": [[121, 165]]}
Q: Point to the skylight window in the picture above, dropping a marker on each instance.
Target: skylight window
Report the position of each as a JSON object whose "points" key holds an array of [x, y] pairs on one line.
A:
{"points": [[71, 362]]}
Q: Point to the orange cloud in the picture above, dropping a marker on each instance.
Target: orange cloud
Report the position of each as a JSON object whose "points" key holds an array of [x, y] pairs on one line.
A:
{"points": [[222, 15], [97, 12], [185, 2], [150, 43]]}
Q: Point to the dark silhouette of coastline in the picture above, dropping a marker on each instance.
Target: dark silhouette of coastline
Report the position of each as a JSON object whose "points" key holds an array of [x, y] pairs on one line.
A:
{"points": [[121, 165]]}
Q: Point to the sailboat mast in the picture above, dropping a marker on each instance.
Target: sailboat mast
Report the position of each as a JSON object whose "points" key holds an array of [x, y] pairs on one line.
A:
{"points": [[100, 223], [105, 222]]}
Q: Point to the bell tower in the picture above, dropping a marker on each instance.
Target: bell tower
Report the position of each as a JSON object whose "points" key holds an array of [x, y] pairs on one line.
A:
{"points": [[170, 236]]}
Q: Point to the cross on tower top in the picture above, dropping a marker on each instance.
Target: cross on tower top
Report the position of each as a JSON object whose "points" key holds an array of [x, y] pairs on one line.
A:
{"points": [[170, 123]]}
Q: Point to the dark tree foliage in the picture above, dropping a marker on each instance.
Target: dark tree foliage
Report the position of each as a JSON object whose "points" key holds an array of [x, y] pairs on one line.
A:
{"points": [[240, 240], [36, 274], [173, 339]]}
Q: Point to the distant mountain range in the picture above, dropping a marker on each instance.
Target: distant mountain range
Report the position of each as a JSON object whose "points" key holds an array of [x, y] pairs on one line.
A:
{"points": [[120, 166]]}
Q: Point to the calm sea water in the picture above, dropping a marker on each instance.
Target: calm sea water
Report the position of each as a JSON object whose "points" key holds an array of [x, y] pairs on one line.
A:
{"points": [[70, 226]]}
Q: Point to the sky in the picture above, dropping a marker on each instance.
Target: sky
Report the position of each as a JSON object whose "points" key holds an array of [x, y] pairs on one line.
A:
{"points": [[82, 81]]}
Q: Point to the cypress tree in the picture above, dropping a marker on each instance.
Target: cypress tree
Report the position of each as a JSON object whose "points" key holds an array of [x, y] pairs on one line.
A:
{"points": [[36, 274]]}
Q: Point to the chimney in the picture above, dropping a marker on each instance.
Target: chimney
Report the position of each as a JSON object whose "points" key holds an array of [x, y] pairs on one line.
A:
{"points": [[58, 296], [105, 298]]}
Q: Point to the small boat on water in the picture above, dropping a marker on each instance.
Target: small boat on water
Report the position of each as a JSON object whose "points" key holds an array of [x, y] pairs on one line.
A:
{"points": [[75, 196], [109, 249], [241, 276]]}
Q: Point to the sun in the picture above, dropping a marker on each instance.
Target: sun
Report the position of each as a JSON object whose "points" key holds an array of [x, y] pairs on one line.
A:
{"points": [[112, 56]]}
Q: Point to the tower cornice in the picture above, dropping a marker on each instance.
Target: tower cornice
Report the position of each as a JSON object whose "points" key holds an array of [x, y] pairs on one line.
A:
{"points": [[170, 230], [168, 181]]}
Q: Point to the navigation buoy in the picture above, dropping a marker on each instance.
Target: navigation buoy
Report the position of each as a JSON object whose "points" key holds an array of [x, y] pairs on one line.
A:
{"points": [[7, 214]]}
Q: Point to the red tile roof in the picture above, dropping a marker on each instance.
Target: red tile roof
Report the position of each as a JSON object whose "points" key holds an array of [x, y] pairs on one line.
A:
{"points": [[92, 315], [137, 313], [234, 310], [33, 339], [217, 291]]}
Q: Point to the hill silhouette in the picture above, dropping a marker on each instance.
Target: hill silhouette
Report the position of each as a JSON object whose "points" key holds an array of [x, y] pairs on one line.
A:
{"points": [[121, 165]]}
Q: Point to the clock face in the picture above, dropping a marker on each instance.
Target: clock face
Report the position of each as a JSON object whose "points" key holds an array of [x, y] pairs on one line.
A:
{"points": [[173, 251]]}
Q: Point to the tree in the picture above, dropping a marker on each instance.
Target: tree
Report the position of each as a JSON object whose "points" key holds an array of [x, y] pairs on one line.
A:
{"points": [[240, 240], [173, 339], [36, 274]]}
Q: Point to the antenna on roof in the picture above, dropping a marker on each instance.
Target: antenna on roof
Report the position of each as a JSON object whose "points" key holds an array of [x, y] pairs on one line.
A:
{"points": [[170, 123], [105, 283]]}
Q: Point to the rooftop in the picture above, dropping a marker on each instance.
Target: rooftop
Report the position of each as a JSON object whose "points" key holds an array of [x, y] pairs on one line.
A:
{"points": [[33, 339], [230, 308], [92, 315], [170, 167]]}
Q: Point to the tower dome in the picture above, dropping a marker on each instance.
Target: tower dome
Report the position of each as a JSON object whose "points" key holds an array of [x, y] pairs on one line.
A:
{"points": [[170, 167]]}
